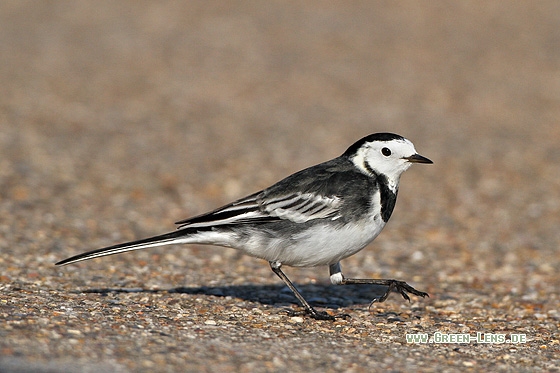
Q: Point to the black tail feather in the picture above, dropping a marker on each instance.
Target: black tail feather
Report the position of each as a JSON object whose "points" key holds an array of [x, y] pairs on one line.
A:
{"points": [[160, 240]]}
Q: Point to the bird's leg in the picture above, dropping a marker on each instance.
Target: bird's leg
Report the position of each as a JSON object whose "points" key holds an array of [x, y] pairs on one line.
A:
{"points": [[317, 315], [401, 287]]}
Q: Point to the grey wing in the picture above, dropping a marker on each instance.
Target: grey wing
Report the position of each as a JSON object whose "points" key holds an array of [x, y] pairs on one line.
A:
{"points": [[260, 208], [301, 207]]}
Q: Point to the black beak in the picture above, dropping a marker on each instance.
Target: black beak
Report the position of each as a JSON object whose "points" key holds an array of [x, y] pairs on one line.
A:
{"points": [[417, 158]]}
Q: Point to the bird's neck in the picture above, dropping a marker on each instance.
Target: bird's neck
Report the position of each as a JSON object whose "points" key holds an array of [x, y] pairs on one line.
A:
{"points": [[393, 184], [388, 190]]}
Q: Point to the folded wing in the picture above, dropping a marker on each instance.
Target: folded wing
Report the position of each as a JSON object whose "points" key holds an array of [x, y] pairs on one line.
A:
{"points": [[261, 208]]}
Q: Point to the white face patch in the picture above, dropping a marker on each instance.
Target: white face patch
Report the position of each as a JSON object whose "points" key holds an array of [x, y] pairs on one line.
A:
{"points": [[385, 157]]}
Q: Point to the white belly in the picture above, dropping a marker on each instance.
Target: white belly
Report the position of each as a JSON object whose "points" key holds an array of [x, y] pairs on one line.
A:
{"points": [[320, 245]]}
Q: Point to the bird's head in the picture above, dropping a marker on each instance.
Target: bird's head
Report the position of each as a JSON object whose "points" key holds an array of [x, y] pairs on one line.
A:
{"points": [[384, 153]]}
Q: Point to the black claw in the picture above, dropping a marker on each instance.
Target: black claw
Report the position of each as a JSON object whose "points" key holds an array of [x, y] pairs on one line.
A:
{"points": [[317, 315], [292, 313], [400, 287], [322, 316], [344, 316], [404, 295]]}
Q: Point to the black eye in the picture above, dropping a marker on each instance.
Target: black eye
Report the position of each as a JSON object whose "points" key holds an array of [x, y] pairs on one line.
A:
{"points": [[386, 152]]}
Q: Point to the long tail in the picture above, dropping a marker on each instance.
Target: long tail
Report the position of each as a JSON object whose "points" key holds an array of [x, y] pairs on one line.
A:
{"points": [[163, 239]]}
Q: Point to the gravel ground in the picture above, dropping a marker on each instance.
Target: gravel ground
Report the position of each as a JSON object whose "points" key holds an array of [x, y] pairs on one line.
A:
{"points": [[119, 118]]}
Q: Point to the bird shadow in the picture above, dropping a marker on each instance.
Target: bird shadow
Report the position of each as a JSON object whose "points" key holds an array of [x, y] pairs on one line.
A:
{"points": [[321, 295]]}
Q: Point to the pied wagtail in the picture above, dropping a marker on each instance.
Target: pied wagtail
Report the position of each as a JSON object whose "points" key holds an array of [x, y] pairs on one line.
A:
{"points": [[317, 216]]}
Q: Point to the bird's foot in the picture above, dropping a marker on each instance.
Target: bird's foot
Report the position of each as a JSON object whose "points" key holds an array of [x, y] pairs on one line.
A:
{"points": [[317, 315], [400, 287]]}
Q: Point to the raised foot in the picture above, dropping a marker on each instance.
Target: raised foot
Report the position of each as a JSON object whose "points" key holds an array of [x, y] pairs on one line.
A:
{"points": [[400, 287]]}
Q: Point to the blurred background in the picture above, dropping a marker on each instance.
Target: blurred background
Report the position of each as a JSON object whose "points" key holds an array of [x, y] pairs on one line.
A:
{"points": [[119, 118], [132, 115]]}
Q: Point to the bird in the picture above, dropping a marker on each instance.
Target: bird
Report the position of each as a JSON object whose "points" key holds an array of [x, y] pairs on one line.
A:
{"points": [[315, 217]]}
